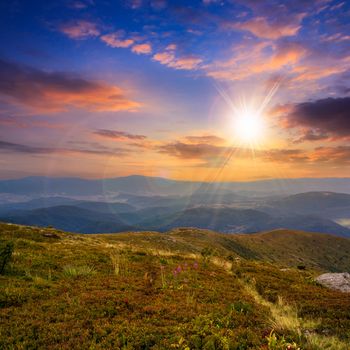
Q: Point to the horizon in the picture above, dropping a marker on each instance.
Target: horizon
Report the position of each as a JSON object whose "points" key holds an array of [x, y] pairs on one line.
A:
{"points": [[214, 91], [176, 180]]}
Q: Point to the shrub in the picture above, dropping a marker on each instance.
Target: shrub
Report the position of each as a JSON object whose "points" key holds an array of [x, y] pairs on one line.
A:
{"points": [[6, 250], [241, 307], [279, 343]]}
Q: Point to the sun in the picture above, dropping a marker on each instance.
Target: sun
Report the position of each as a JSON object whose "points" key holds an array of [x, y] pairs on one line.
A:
{"points": [[248, 125]]}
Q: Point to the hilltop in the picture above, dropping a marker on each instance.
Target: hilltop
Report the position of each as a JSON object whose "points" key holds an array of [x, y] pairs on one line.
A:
{"points": [[184, 289]]}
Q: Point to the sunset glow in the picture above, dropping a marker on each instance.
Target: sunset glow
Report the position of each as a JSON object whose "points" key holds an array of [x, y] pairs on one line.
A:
{"points": [[152, 88]]}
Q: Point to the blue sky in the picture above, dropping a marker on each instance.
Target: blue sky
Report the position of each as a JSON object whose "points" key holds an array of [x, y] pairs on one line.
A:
{"points": [[178, 74]]}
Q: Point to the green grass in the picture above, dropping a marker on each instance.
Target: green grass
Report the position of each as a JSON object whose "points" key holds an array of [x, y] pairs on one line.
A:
{"points": [[188, 289]]}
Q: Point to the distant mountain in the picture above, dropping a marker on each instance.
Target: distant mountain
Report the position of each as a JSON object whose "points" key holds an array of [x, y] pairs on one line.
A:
{"points": [[47, 202], [43, 202], [140, 185], [69, 218], [231, 220], [154, 186], [95, 217], [326, 204], [308, 223]]}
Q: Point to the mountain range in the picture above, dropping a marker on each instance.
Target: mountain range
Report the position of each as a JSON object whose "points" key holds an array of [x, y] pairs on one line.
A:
{"points": [[203, 207], [153, 186]]}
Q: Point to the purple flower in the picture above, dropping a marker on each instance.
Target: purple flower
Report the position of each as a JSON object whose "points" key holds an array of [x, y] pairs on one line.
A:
{"points": [[179, 269], [195, 265]]}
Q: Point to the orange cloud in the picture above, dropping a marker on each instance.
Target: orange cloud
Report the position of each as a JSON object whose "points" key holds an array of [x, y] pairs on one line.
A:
{"points": [[284, 155], [191, 150], [208, 139], [45, 92], [164, 57], [257, 59], [26, 149], [339, 155], [115, 40], [118, 135], [169, 59], [262, 28], [80, 29], [305, 73], [171, 47], [142, 49]]}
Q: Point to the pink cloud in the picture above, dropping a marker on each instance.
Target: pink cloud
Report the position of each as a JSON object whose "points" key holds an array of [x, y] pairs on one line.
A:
{"points": [[169, 59], [45, 92], [262, 28], [116, 40], [258, 58], [142, 49], [80, 30]]}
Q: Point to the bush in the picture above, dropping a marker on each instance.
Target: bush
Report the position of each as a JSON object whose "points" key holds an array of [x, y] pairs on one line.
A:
{"points": [[6, 250]]}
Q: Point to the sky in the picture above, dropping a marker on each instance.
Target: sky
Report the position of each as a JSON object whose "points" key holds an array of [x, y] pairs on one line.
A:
{"points": [[235, 90]]}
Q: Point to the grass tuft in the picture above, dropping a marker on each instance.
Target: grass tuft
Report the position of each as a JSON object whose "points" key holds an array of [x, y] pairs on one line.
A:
{"points": [[76, 271]]}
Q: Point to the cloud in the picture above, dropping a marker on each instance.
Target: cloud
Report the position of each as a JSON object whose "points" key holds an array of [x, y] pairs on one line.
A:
{"points": [[204, 147], [338, 155], [80, 5], [171, 47], [117, 40], [316, 72], [191, 150], [25, 123], [119, 135], [50, 92], [19, 148], [80, 29], [329, 117], [142, 49], [169, 59], [258, 58], [311, 135], [206, 139], [261, 27], [284, 155]]}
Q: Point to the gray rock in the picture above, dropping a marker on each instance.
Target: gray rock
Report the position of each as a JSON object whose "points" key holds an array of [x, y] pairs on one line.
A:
{"points": [[335, 281]]}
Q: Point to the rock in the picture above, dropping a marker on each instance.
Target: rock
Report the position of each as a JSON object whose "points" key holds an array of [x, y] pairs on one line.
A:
{"points": [[335, 281]]}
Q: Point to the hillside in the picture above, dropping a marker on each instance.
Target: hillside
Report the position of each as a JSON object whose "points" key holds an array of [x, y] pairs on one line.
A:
{"points": [[185, 289]]}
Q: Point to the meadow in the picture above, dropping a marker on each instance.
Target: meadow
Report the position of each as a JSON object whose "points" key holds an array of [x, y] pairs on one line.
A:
{"points": [[185, 289]]}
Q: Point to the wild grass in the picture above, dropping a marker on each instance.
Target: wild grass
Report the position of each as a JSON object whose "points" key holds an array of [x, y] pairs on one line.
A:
{"points": [[285, 320], [76, 271], [283, 317], [319, 342]]}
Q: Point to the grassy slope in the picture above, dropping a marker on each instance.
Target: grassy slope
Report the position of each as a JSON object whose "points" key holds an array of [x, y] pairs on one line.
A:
{"points": [[111, 291]]}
